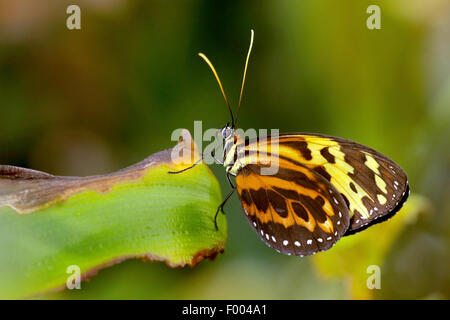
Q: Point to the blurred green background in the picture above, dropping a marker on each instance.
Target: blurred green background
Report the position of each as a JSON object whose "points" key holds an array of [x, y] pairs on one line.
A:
{"points": [[98, 99]]}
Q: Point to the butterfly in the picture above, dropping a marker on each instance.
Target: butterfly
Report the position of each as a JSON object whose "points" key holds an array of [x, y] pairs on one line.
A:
{"points": [[325, 187]]}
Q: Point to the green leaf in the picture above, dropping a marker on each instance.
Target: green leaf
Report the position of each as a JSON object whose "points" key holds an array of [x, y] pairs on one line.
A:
{"points": [[49, 223]]}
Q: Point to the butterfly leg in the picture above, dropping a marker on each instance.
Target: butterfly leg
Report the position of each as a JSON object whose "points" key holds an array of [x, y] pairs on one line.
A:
{"points": [[229, 181], [220, 208], [190, 167], [213, 154]]}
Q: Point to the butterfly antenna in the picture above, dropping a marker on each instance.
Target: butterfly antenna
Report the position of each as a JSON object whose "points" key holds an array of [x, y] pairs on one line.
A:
{"points": [[245, 73], [220, 84]]}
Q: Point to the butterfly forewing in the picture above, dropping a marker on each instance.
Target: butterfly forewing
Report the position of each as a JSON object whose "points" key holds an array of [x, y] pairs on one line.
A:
{"points": [[372, 186], [378, 189], [295, 211]]}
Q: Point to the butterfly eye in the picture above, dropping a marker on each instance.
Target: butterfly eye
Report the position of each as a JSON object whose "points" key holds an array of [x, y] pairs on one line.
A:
{"points": [[226, 132]]}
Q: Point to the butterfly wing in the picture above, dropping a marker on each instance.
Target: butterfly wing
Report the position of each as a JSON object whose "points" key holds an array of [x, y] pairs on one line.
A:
{"points": [[373, 186], [295, 211]]}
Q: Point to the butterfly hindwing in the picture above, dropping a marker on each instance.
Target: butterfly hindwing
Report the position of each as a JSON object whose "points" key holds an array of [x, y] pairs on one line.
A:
{"points": [[295, 211], [372, 186]]}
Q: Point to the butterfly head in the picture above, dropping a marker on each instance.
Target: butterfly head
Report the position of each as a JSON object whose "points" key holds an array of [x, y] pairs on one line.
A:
{"points": [[226, 132]]}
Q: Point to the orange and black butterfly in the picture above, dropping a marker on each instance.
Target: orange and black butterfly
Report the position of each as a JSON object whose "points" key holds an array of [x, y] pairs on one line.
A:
{"points": [[325, 187]]}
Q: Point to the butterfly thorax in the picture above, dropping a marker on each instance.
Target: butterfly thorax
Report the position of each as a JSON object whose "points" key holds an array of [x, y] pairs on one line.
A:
{"points": [[231, 140]]}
